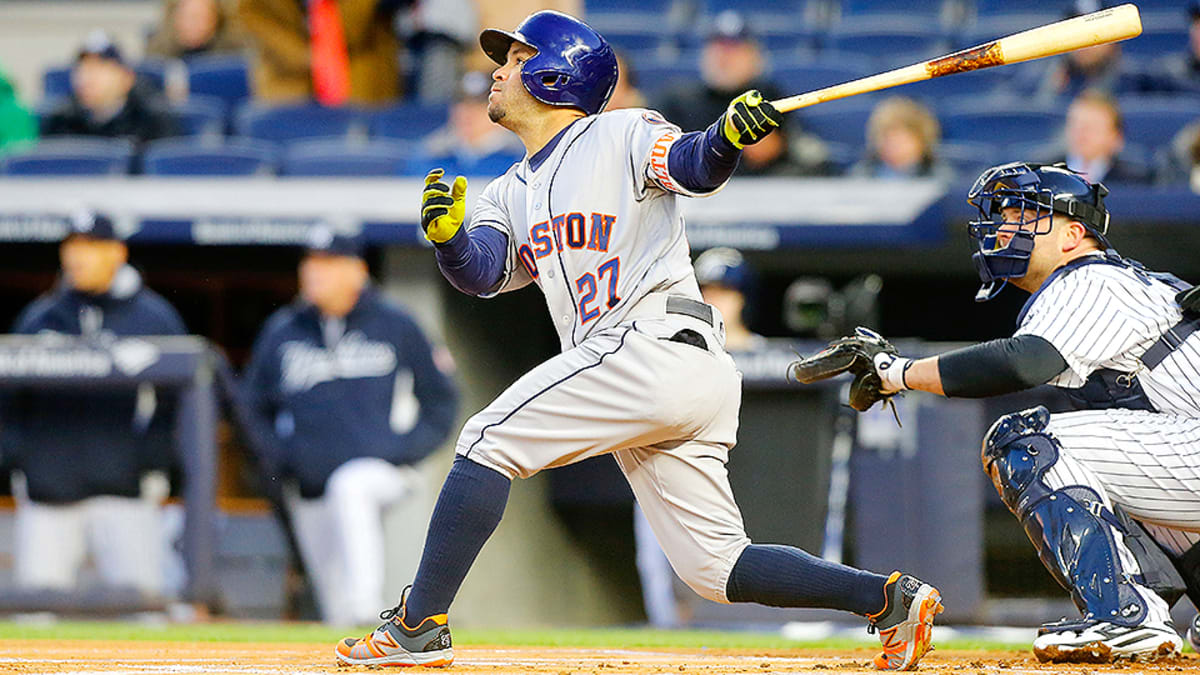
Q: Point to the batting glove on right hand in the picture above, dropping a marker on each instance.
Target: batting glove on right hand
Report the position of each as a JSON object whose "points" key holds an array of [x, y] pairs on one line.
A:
{"points": [[443, 207], [748, 119]]}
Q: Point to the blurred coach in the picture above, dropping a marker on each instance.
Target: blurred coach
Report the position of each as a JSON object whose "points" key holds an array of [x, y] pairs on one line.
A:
{"points": [[349, 385], [82, 457]]}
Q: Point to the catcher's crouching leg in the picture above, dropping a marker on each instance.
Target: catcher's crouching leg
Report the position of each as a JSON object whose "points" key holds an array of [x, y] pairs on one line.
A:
{"points": [[1079, 540]]}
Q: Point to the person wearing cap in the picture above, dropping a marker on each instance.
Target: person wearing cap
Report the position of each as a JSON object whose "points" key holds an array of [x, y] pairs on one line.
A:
{"points": [[470, 144], [106, 100], [356, 398], [727, 281], [1182, 68], [89, 463], [731, 62]]}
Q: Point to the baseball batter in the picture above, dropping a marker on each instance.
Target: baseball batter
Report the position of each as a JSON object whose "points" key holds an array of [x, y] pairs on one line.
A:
{"points": [[591, 216], [1109, 494]]}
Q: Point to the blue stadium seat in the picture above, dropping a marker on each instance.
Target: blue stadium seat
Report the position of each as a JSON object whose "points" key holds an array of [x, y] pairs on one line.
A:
{"points": [[976, 83], [225, 77], [1046, 9], [635, 38], [294, 122], [200, 116], [989, 124], [491, 165], [843, 121], [207, 157], [71, 156], [931, 10], [1156, 43], [969, 159], [875, 41], [337, 157], [409, 121], [829, 70], [626, 6], [1153, 122], [658, 77], [56, 82]]}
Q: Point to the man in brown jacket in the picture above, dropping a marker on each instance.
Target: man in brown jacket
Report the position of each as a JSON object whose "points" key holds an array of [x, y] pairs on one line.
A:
{"points": [[279, 33]]}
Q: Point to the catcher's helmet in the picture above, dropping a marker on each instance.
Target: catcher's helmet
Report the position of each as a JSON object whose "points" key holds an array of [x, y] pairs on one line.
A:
{"points": [[574, 66], [1038, 190]]}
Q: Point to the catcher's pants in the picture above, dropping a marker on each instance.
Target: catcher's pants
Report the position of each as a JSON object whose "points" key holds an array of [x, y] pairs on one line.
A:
{"points": [[667, 411], [341, 536], [1146, 462], [123, 534]]}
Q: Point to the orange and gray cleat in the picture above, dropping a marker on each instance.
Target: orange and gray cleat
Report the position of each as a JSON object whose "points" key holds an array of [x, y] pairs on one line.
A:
{"points": [[395, 644], [905, 624]]}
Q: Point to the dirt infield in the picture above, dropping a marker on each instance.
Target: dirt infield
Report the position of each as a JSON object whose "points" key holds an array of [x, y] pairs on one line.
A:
{"points": [[83, 657]]}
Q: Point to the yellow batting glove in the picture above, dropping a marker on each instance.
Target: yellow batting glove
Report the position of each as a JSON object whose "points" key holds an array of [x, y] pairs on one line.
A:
{"points": [[748, 119], [442, 207]]}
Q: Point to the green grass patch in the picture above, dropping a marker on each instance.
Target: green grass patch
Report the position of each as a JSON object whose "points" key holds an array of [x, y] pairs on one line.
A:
{"points": [[597, 638]]}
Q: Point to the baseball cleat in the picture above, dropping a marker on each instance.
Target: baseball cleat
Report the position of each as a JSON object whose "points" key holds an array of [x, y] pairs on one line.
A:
{"points": [[395, 644], [1091, 641], [1194, 633], [905, 624]]}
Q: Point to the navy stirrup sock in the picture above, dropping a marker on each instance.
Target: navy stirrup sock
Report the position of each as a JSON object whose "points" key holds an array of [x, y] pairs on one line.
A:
{"points": [[468, 510], [784, 576]]}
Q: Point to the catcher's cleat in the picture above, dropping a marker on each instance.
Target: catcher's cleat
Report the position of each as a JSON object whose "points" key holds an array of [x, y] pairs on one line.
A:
{"points": [[905, 624], [395, 644], [1194, 633], [1092, 641]]}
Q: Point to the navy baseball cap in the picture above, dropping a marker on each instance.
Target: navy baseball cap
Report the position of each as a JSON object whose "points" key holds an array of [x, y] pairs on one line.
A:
{"points": [[324, 239], [92, 225], [730, 25], [98, 43], [726, 267], [1193, 10]]}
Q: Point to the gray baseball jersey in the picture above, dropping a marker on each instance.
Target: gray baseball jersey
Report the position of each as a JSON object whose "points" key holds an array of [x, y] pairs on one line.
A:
{"points": [[596, 226]]}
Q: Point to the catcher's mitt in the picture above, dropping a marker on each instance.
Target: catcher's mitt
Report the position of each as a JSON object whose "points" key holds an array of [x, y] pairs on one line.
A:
{"points": [[854, 354]]}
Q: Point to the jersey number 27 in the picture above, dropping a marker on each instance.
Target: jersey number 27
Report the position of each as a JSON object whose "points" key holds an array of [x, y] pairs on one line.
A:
{"points": [[587, 287]]}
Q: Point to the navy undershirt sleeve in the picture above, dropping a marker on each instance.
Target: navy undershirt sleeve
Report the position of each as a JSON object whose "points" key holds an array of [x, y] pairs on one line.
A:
{"points": [[702, 161], [473, 260], [999, 367]]}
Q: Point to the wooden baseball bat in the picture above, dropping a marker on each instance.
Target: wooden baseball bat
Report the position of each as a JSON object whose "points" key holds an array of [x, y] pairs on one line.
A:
{"points": [[1108, 25]]}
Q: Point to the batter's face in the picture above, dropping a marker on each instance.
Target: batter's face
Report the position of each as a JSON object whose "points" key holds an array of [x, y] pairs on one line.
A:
{"points": [[332, 283], [509, 102], [90, 265]]}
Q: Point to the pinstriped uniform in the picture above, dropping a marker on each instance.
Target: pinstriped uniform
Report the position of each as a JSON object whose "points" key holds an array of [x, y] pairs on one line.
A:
{"points": [[1104, 316]]}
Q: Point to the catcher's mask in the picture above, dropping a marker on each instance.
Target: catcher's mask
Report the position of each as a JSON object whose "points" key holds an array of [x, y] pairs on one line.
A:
{"points": [[1038, 190]]}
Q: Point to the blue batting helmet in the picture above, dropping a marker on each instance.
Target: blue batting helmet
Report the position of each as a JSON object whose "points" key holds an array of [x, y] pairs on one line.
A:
{"points": [[726, 267], [1038, 190], [574, 66]]}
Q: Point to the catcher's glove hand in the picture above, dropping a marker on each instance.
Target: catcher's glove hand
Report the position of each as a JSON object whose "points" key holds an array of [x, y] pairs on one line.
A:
{"points": [[748, 119], [443, 207], [863, 355]]}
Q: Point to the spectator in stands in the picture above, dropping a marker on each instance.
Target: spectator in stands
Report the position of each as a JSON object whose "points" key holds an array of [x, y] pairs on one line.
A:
{"points": [[196, 28], [106, 99], [18, 127], [1183, 69], [1095, 136], [1181, 161], [727, 282], [626, 94], [1099, 67], [84, 458], [354, 398], [332, 51], [902, 138], [471, 144], [732, 62], [436, 34]]}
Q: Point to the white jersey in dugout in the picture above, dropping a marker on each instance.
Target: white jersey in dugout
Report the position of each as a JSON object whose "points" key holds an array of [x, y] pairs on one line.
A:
{"points": [[596, 225]]}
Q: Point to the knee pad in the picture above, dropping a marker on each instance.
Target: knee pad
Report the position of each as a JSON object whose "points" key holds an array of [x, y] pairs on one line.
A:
{"points": [[1070, 527]]}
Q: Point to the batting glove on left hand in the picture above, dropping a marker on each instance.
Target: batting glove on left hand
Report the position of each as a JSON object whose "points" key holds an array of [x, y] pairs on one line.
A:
{"points": [[443, 207], [749, 118]]}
